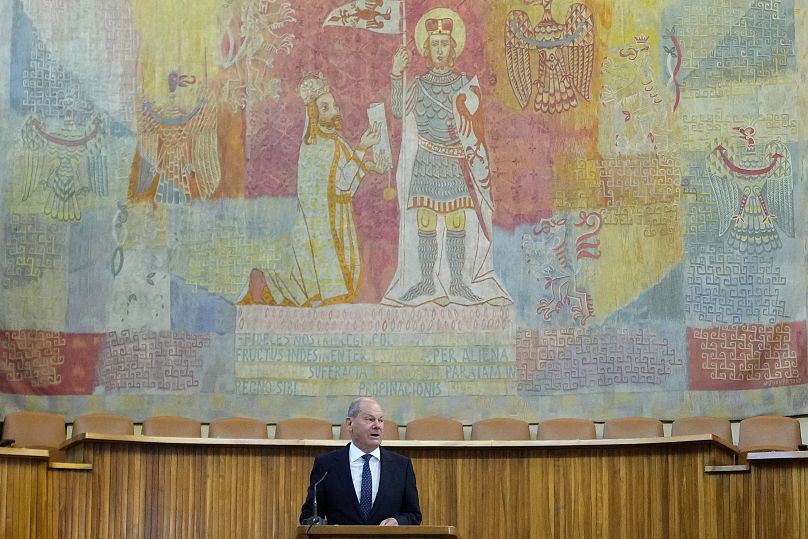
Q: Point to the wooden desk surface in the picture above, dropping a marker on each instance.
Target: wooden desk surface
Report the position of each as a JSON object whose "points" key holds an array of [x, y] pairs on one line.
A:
{"points": [[405, 444], [373, 532], [21, 452], [776, 456]]}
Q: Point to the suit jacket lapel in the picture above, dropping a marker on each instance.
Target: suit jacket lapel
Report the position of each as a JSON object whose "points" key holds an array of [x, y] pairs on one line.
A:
{"points": [[384, 479], [345, 478]]}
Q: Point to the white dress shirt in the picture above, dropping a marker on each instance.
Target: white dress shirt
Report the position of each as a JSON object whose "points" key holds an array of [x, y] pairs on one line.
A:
{"points": [[357, 463]]}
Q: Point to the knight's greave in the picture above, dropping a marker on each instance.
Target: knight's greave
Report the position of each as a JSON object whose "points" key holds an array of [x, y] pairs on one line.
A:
{"points": [[427, 254], [456, 257], [456, 253]]}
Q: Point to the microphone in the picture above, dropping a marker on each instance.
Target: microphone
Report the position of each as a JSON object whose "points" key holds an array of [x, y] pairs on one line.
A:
{"points": [[316, 520]]}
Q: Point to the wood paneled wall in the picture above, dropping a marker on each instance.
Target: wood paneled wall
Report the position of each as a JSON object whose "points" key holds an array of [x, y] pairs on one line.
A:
{"points": [[190, 492], [776, 490], [25, 509], [589, 491], [148, 488]]}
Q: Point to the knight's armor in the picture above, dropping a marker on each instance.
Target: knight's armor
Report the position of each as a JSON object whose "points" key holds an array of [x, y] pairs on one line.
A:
{"points": [[437, 182], [437, 177]]}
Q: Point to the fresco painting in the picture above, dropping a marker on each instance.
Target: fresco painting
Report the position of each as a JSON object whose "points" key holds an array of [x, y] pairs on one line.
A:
{"points": [[515, 208]]}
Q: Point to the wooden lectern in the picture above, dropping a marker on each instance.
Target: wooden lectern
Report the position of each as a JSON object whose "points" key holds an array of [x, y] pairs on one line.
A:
{"points": [[377, 532]]}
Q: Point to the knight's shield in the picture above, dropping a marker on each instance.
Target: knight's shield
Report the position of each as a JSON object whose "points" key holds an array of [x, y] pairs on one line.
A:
{"points": [[467, 109]]}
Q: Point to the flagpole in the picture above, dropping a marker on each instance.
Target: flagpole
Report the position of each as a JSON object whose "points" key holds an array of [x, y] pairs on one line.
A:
{"points": [[404, 22], [403, 85], [404, 43]]}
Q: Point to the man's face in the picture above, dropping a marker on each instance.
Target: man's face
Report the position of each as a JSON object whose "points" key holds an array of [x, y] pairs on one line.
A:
{"points": [[367, 427], [329, 117], [440, 50]]}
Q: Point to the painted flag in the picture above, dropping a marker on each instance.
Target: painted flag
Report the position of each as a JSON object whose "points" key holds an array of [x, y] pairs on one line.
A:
{"points": [[380, 16]]}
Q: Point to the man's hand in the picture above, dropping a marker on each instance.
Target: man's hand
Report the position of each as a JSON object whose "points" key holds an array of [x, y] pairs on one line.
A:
{"points": [[401, 61], [380, 164], [370, 137], [389, 522]]}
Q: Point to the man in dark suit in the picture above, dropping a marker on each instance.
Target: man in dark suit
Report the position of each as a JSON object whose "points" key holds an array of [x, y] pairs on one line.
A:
{"points": [[365, 483]]}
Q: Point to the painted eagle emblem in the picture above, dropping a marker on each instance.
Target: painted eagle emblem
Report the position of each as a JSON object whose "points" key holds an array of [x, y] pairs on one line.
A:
{"points": [[66, 163], [565, 60], [177, 159], [753, 186]]}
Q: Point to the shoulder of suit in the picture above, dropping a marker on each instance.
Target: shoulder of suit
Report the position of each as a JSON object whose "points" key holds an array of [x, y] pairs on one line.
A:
{"points": [[392, 454], [333, 454]]}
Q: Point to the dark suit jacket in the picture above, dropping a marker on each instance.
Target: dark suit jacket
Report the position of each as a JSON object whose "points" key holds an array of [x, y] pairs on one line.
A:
{"points": [[336, 497]]}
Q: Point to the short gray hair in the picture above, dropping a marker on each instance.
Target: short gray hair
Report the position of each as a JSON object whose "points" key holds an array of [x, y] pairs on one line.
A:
{"points": [[356, 406]]}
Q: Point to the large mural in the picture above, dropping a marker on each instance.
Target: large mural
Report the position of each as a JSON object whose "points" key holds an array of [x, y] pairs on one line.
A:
{"points": [[522, 208]]}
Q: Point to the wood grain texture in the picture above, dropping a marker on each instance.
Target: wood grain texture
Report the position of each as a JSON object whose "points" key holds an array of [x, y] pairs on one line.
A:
{"points": [[25, 510], [777, 493], [135, 488], [595, 491], [377, 532]]}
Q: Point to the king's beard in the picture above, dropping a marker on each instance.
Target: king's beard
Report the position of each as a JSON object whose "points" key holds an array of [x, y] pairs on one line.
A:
{"points": [[332, 125]]}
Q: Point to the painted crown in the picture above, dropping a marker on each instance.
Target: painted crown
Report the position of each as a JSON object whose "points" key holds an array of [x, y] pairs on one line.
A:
{"points": [[439, 26], [312, 87]]}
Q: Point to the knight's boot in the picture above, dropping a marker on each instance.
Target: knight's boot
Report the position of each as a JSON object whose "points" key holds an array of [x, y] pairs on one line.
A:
{"points": [[456, 256], [427, 253]]}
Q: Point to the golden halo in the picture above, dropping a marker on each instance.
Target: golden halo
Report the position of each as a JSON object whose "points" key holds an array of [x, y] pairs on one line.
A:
{"points": [[458, 28]]}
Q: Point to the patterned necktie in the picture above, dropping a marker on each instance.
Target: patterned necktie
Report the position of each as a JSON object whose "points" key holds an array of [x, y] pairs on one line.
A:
{"points": [[366, 494]]}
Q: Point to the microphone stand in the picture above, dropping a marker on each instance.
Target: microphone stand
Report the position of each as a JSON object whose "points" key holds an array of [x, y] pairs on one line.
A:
{"points": [[316, 520]]}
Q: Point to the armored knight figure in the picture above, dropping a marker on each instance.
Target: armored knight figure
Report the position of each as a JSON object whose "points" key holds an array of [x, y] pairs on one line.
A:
{"points": [[436, 182]]}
